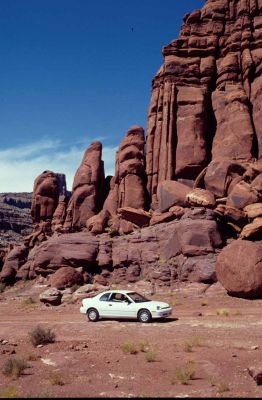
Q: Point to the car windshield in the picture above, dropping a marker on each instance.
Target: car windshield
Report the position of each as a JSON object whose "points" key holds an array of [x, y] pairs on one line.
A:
{"points": [[137, 298]]}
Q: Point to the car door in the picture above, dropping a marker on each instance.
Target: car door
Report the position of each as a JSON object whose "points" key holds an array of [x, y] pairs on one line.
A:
{"points": [[103, 305], [118, 306]]}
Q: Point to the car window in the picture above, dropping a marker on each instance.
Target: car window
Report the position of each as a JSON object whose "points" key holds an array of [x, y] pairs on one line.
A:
{"points": [[118, 297], [138, 298], [105, 297]]}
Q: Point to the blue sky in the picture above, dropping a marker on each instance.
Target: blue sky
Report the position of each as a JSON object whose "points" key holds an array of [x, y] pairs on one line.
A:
{"points": [[74, 71]]}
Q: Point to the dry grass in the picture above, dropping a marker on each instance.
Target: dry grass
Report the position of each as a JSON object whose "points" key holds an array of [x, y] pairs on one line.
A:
{"points": [[194, 342], [9, 392], [223, 312], [143, 346], [31, 357], [2, 287], [41, 335], [28, 302], [56, 378], [185, 373], [151, 356], [14, 367], [222, 387], [130, 348]]}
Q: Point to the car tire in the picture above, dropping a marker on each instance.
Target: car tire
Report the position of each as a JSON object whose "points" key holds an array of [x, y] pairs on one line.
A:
{"points": [[92, 315], [144, 316]]}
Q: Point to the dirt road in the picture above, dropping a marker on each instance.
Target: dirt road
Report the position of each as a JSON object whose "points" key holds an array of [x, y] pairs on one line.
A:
{"points": [[213, 339]]}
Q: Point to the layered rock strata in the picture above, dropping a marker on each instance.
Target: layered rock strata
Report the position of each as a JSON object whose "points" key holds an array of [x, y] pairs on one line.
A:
{"points": [[206, 96], [185, 249]]}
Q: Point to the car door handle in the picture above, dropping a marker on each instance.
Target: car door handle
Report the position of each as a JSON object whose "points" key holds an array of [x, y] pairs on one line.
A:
{"points": [[110, 305]]}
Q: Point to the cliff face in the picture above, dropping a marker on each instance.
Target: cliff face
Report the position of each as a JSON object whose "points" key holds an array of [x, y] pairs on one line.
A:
{"points": [[15, 218], [198, 173], [206, 96]]}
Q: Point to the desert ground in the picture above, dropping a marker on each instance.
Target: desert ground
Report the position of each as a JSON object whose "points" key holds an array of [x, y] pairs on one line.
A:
{"points": [[203, 350]]}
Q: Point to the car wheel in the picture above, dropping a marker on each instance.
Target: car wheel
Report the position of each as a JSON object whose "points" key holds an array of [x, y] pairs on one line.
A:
{"points": [[92, 315], [144, 316]]}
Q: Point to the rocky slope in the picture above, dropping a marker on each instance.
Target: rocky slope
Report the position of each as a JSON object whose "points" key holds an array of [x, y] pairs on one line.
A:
{"points": [[15, 217], [200, 161]]}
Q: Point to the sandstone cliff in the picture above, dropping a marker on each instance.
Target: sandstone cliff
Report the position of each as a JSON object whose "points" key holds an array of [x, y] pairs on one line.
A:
{"points": [[196, 179]]}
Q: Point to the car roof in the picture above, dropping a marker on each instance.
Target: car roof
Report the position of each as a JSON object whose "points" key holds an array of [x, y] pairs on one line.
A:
{"points": [[118, 291]]}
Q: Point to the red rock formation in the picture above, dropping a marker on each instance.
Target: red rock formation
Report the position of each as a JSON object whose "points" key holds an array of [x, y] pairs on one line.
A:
{"points": [[127, 187], [45, 196], [207, 95], [87, 189], [239, 268], [158, 252]]}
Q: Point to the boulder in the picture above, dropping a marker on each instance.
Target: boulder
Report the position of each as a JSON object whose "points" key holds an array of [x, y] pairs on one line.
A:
{"points": [[239, 268], [159, 218], [65, 277], [13, 262], [201, 197], [51, 296], [253, 210], [89, 290], [256, 373], [138, 217], [242, 195], [252, 229], [220, 174], [172, 193]]}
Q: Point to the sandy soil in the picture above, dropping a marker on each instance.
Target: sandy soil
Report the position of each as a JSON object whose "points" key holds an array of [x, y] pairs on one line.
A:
{"points": [[87, 359]]}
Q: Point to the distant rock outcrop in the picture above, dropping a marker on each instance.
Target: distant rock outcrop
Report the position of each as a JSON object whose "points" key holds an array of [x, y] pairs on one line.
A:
{"points": [[15, 218]]}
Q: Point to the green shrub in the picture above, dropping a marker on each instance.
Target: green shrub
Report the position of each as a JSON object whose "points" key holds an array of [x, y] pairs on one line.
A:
{"points": [[40, 335]]}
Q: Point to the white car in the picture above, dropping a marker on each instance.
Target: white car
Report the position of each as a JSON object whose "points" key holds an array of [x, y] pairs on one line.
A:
{"points": [[124, 304]]}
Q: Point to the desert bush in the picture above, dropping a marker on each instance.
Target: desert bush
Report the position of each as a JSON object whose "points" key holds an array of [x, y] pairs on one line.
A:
{"points": [[222, 312], [31, 357], [237, 312], [130, 348], [194, 342], [185, 374], [143, 346], [40, 335], [29, 301], [14, 367], [222, 387], [151, 356], [9, 392], [56, 378], [2, 287], [188, 347]]}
